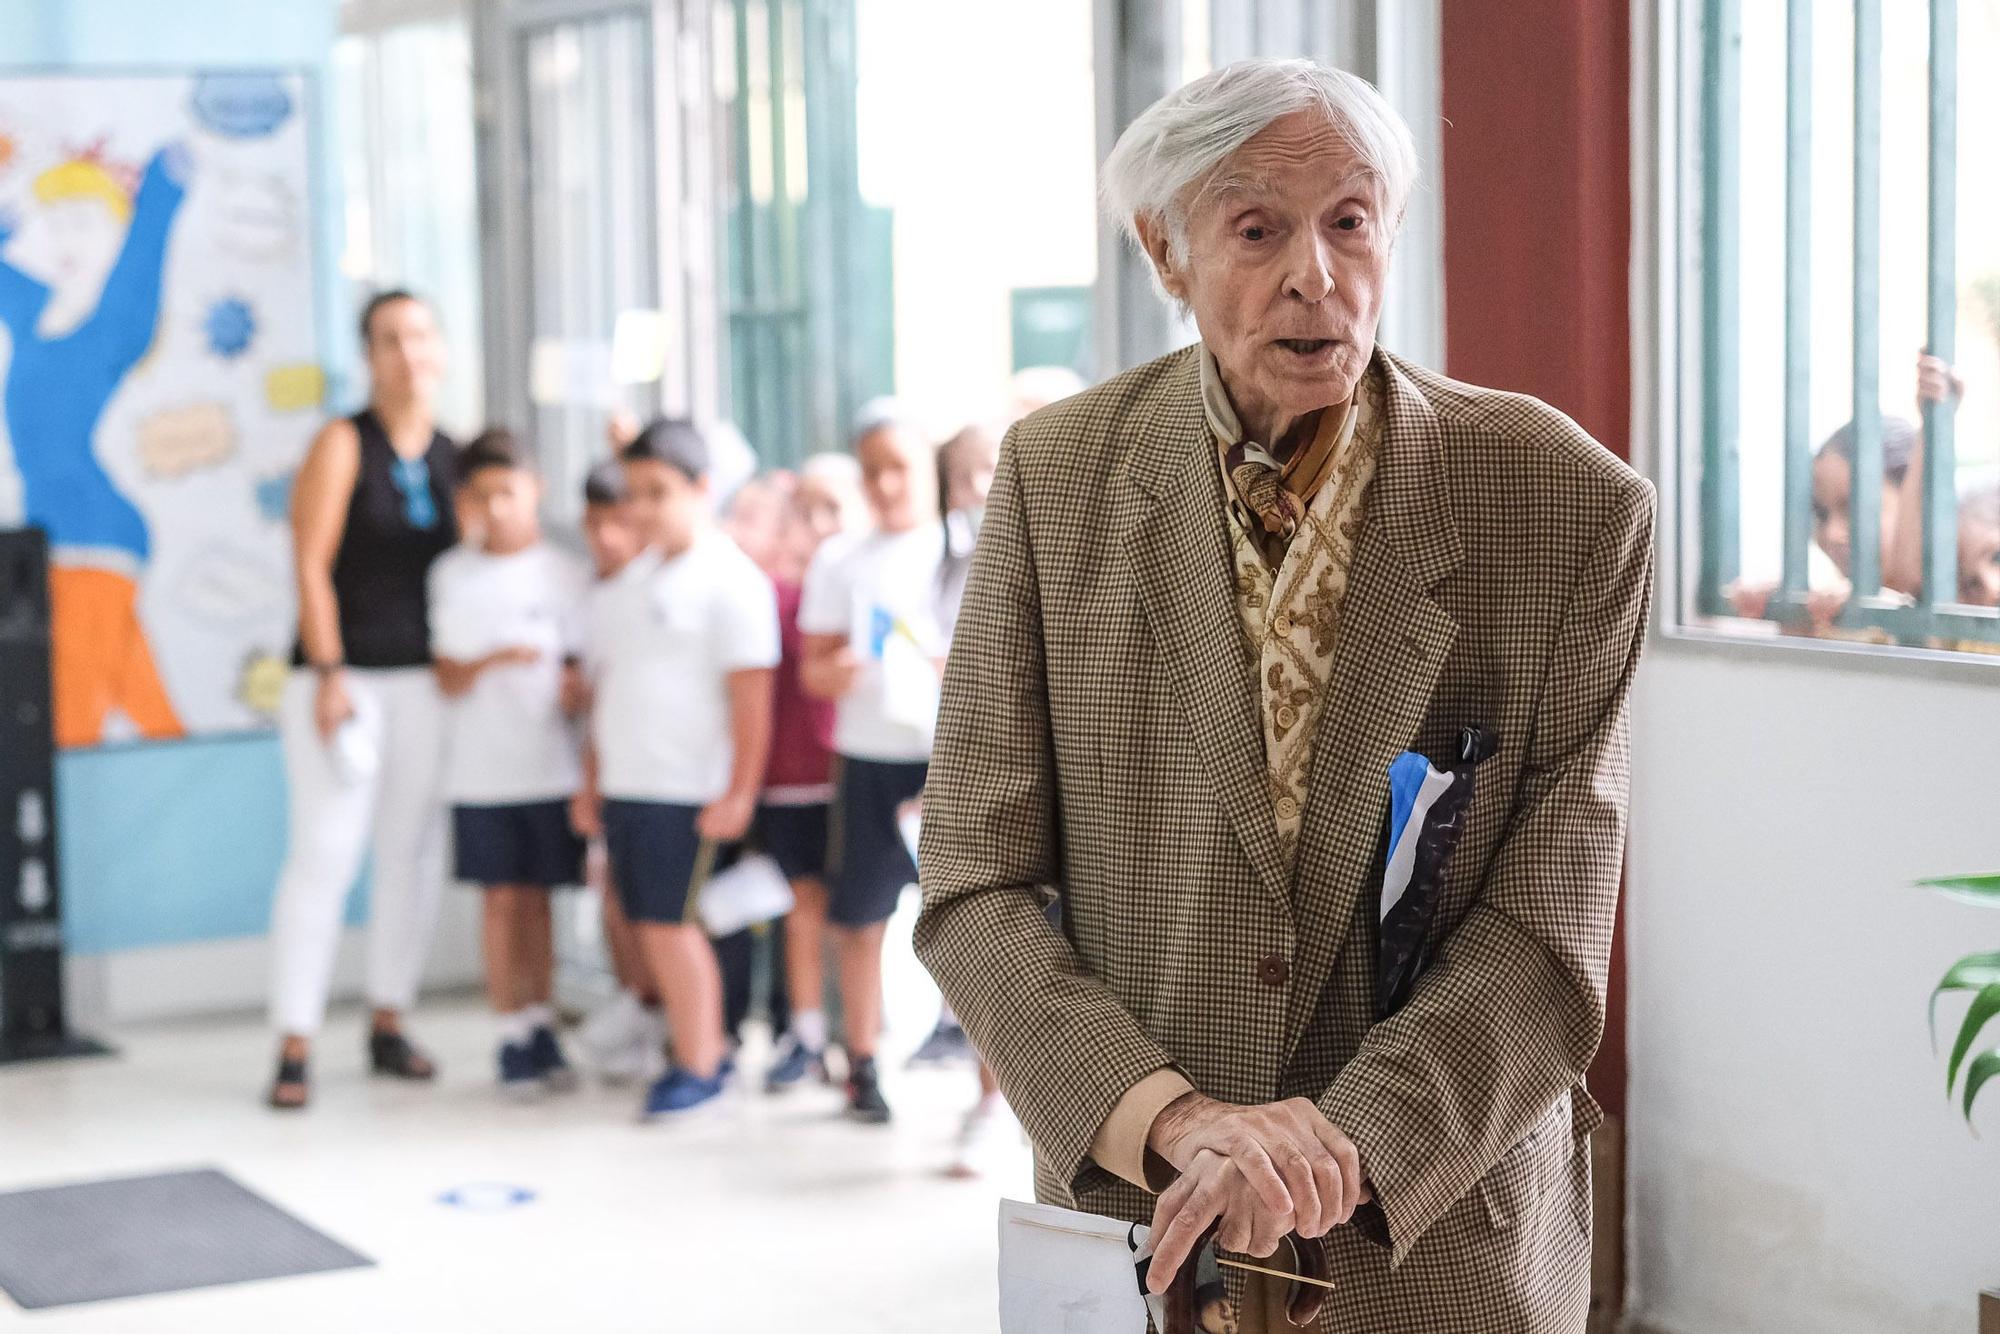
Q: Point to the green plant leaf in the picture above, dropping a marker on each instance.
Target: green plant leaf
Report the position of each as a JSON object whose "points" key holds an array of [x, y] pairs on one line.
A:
{"points": [[1980, 889], [1968, 974], [1984, 1006], [1984, 1066]]}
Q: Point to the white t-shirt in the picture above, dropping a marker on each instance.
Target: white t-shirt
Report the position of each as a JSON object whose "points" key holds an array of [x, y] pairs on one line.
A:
{"points": [[880, 592], [509, 741], [664, 635]]}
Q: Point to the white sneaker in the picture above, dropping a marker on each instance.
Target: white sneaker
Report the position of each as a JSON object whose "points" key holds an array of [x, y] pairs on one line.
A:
{"points": [[625, 1040], [989, 1140]]}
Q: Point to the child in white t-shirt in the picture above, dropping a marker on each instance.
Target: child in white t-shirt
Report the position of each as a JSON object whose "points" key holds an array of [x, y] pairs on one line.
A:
{"points": [[505, 612], [869, 614], [682, 644], [625, 1037]]}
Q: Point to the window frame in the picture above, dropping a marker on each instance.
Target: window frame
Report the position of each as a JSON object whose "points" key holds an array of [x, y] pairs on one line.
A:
{"points": [[1673, 359]]}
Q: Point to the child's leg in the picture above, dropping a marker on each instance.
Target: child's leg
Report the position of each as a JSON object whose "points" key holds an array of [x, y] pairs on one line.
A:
{"points": [[683, 967], [778, 987], [805, 944], [860, 954], [535, 957], [502, 940], [627, 964], [735, 960]]}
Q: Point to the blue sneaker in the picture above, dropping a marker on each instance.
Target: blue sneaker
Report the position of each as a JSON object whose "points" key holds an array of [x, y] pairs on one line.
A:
{"points": [[520, 1072], [550, 1066], [795, 1061], [680, 1091]]}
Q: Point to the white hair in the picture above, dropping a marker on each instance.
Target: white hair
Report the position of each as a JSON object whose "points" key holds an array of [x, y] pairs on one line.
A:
{"points": [[1170, 154]]}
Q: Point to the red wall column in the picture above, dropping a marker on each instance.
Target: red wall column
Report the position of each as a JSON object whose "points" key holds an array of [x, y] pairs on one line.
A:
{"points": [[1537, 232]]}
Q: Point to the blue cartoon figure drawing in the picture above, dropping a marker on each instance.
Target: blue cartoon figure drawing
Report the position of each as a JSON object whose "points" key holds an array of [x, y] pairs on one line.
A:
{"points": [[73, 341]]}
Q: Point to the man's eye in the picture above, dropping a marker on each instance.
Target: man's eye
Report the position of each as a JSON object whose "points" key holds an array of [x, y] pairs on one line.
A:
{"points": [[1351, 223], [1255, 233]]}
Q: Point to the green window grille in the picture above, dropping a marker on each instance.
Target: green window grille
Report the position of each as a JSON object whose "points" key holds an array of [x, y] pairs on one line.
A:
{"points": [[1934, 617], [808, 300]]}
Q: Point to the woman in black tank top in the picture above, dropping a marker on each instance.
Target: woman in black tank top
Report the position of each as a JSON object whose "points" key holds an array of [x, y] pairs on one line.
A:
{"points": [[362, 724]]}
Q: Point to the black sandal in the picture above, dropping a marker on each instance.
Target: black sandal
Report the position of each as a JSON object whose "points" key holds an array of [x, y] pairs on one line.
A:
{"points": [[391, 1054], [291, 1074]]}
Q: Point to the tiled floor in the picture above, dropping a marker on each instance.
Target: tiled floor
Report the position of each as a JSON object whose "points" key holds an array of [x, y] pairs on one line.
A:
{"points": [[767, 1215]]}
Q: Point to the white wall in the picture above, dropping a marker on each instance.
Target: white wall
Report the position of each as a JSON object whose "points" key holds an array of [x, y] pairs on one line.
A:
{"points": [[1793, 1162], [103, 991]]}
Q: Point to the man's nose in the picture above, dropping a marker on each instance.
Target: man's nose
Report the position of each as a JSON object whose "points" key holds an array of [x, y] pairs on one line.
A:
{"points": [[1311, 277]]}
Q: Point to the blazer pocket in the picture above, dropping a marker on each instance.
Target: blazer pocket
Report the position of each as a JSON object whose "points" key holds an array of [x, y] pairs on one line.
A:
{"points": [[1514, 1191]]}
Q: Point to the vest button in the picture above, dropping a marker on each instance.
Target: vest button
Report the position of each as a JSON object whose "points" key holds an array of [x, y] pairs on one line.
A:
{"points": [[1288, 808], [1272, 970], [1283, 623], [1287, 716]]}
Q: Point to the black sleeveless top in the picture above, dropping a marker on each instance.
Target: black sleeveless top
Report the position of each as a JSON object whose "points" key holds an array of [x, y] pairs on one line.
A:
{"points": [[398, 521]]}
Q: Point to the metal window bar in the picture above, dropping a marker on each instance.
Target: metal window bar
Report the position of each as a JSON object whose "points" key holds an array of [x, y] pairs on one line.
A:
{"points": [[1940, 547], [1723, 44], [1865, 495], [1937, 615], [1798, 299]]}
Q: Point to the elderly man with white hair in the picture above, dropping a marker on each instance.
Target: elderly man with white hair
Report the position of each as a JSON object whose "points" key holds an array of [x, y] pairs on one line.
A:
{"points": [[1296, 675]]}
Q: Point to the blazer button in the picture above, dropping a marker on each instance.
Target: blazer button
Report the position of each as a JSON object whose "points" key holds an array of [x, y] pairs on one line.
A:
{"points": [[1272, 970]]}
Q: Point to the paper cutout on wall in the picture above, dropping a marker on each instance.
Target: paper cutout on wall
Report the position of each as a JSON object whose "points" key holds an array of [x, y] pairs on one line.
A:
{"points": [[230, 327], [257, 216], [294, 388], [155, 270], [274, 498], [227, 585], [241, 105], [261, 686], [179, 441]]}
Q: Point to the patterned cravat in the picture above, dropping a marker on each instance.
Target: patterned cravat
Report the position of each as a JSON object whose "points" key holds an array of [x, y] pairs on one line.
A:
{"points": [[1260, 482]]}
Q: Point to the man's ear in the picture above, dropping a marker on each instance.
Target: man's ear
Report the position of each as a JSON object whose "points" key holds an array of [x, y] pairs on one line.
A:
{"points": [[1159, 248]]}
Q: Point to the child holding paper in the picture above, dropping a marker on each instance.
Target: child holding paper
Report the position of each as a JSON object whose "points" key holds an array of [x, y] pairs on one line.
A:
{"points": [[872, 643]]}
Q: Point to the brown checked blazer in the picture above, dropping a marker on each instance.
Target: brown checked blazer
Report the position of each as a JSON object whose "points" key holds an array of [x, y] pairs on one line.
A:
{"points": [[1100, 742]]}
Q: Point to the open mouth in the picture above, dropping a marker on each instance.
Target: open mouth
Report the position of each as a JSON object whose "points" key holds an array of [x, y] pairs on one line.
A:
{"points": [[1306, 347]]}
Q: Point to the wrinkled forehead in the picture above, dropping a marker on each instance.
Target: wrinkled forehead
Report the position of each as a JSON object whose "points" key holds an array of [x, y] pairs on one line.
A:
{"points": [[1301, 158]]}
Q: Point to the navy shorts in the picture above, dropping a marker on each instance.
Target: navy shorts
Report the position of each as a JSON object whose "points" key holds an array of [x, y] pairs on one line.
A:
{"points": [[867, 861], [794, 837], [526, 844], [658, 862]]}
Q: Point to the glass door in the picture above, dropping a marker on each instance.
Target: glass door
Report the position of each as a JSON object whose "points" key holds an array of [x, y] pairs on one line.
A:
{"points": [[601, 253]]}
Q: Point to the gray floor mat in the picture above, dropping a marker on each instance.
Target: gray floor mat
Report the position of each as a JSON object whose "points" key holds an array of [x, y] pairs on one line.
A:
{"points": [[60, 1245]]}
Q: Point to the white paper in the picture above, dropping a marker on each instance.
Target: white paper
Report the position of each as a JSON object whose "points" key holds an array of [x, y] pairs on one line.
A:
{"points": [[909, 683], [752, 890], [1064, 1272]]}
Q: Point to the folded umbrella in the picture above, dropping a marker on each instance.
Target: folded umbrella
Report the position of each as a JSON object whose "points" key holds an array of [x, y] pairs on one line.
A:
{"points": [[1427, 808]]}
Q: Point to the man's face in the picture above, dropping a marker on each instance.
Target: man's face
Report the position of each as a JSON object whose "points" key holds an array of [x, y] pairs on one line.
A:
{"points": [[899, 477], [665, 504], [1286, 255], [500, 504]]}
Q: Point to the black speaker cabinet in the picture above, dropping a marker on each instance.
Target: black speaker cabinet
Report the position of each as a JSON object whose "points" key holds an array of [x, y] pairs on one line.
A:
{"points": [[31, 941]]}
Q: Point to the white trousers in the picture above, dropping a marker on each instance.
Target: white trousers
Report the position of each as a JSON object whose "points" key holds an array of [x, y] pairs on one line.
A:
{"points": [[334, 810]]}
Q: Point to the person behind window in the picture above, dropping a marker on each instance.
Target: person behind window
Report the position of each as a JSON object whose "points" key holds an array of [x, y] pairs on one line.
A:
{"points": [[1979, 547], [1830, 561]]}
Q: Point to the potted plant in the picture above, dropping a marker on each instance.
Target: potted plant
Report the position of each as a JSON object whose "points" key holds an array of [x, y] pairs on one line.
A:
{"points": [[1980, 975]]}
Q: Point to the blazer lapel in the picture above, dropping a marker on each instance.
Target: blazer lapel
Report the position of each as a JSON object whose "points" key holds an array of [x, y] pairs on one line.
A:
{"points": [[1178, 546], [1392, 644]]}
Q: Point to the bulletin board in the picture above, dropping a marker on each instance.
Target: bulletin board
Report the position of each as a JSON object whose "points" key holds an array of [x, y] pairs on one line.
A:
{"points": [[161, 379]]}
